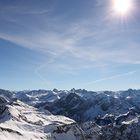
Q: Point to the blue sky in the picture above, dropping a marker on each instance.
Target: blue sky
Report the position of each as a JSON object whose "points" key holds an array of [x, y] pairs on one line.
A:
{"points": [[46, 44]]}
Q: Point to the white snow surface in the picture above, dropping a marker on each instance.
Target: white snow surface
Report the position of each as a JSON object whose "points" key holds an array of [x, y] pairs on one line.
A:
{"points": [[23, 122]]}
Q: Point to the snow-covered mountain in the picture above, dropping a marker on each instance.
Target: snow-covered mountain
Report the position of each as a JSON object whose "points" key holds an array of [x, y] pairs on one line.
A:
{"points": [[35, 97], [123, 127], [83, 106], [19, 121], [106, 115]]}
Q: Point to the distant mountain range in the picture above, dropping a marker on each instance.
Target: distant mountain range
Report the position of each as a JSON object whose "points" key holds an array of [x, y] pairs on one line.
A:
{"points": [[103, 115]]}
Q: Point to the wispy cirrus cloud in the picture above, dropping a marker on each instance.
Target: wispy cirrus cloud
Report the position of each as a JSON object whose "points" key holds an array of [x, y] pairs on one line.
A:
{"points": [[86, 43]]}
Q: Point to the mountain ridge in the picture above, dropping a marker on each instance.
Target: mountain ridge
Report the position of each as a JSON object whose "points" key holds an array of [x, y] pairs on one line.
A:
{"points": [[90, 115]]}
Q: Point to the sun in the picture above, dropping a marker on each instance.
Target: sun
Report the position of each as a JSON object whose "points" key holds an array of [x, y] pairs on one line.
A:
{"points": [[122, 7]]}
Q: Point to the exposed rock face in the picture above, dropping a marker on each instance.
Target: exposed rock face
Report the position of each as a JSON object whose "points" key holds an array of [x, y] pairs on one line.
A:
{"points": [[3, 103], [72, 105], [125, 131], [5, 93], [128, 130]]}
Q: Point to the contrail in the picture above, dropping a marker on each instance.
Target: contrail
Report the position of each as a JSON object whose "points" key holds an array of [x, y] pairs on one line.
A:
{"points": [[112, 77]]}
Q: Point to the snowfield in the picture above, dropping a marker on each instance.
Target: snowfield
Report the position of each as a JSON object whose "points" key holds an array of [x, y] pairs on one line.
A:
{"points": [[20, 121]]}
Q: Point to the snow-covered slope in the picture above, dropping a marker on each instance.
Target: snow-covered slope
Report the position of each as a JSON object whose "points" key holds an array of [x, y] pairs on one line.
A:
{"points": [[19, 121], [102, 115], [35, 97]]}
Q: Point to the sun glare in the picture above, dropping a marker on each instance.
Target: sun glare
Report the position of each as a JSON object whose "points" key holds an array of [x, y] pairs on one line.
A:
{"points": [[122, 7]]}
